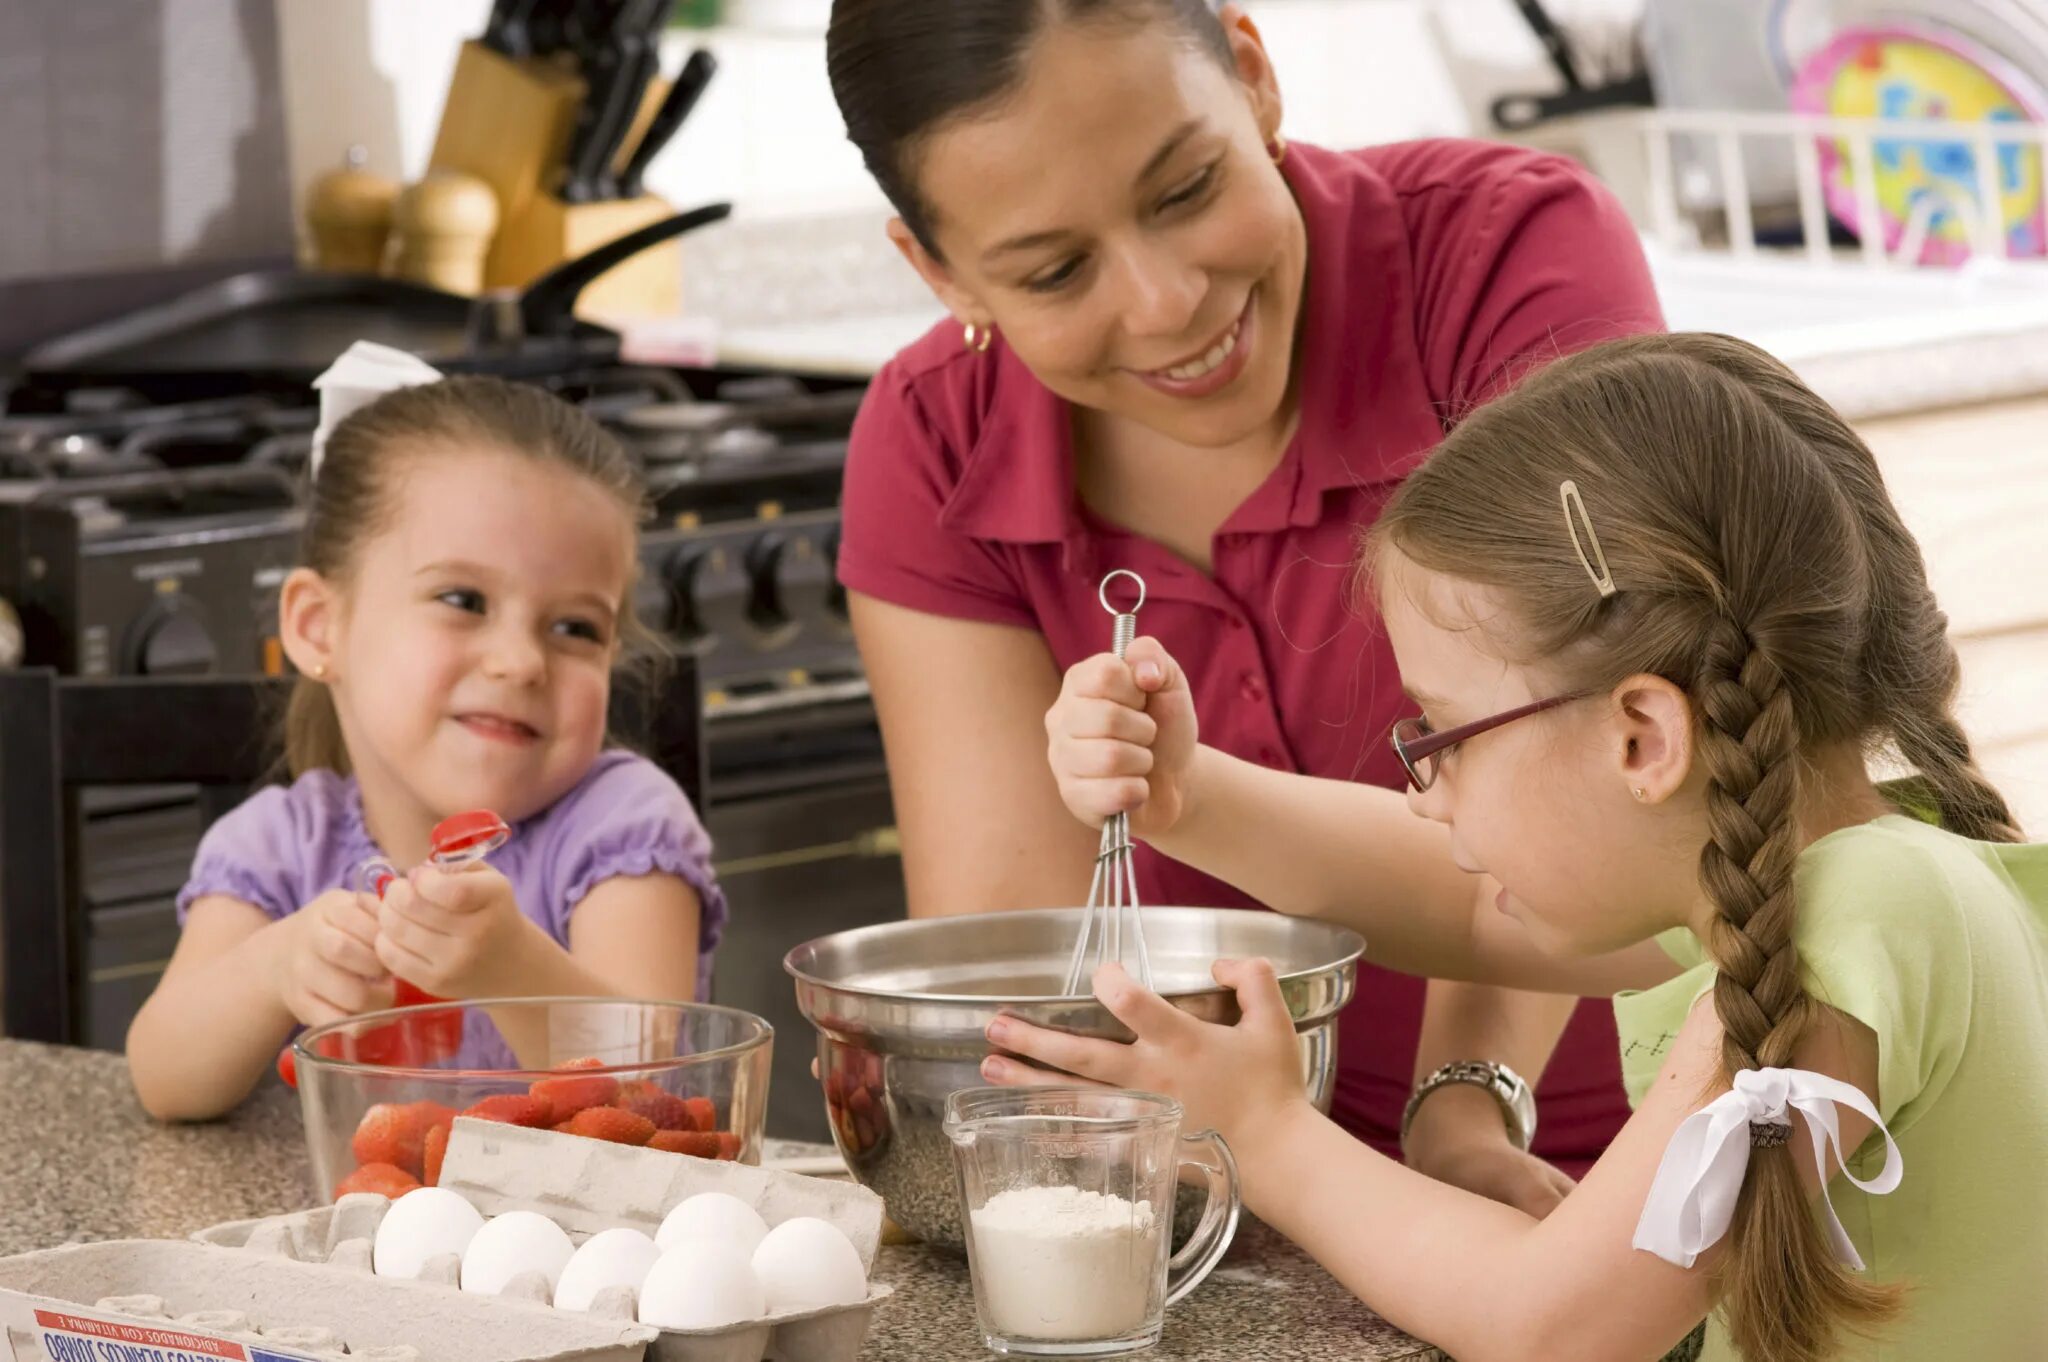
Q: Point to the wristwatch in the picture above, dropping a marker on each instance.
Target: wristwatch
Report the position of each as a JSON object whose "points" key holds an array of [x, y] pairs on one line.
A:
{"points": [[1517, 1102]]}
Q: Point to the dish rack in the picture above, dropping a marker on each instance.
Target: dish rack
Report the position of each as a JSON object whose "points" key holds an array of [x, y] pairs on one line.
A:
{"points": [[1708, 204]]}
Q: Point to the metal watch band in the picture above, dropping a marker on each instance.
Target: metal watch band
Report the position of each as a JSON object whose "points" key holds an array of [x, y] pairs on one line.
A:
{"points": [[1517, 1102]]}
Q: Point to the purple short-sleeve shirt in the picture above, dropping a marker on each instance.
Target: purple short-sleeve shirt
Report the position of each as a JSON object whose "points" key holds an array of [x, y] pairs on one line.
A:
{"points": [[286, 845]]}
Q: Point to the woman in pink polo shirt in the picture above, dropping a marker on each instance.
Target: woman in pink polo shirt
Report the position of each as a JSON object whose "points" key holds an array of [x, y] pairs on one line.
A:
{"points": [[1184, 346]]}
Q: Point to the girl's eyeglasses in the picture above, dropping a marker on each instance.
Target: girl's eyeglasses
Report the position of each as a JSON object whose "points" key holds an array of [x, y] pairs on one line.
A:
{"points": [[1419, 747]]}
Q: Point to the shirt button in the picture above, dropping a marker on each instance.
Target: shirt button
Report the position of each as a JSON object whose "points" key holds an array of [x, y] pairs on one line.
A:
{"points": [[1269, 756], [1253, 688], [1237, 622]]}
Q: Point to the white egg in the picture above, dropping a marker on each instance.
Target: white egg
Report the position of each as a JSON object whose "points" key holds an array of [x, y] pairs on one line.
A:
{"points": [[700, 1286], [608, 1258], [808, 1264], [713, 1218], [514, 1243], [424, 1223]]}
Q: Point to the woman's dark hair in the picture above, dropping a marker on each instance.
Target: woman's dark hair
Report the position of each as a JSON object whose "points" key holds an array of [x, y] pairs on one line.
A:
{"points": [[902, 68], [351, 496]]}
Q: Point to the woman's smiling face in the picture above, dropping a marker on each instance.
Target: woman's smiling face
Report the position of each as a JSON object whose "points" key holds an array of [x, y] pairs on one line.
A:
{"points": [[1118, 218]]}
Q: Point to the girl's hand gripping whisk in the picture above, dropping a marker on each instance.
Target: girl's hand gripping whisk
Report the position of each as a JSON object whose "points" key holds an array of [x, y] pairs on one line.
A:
{"points": [[1100, 715]]}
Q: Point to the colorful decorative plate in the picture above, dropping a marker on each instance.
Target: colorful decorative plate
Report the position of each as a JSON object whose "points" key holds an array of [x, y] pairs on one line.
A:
{"points": [[1922, 72]]}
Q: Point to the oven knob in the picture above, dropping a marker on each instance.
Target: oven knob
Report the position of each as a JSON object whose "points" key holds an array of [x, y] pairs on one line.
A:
{"points": [[170, 639], [711, 590], [792, 583]]}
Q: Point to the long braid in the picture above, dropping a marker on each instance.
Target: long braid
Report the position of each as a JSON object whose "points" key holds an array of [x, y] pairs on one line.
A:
{"points": [[1784, 1294], [1968, 802], [1921, 676], [1749, 740]]}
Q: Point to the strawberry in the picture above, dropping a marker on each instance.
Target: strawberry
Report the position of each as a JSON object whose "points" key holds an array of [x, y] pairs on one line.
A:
{"points": [[728, 1143], [703, 1115], [698, 1144], [514, 1109], [396, 1133], [434, 1150], [664, 1108], [567, 1096], [381, 1178], [610, 1123]]}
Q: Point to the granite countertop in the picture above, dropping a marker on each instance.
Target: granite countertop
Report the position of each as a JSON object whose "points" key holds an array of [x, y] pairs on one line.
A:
{"points": [[85, 1162]]}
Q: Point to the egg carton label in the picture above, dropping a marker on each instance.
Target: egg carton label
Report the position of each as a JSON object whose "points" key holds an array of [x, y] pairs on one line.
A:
{"points": [[157, 1300], [70, 1337]]}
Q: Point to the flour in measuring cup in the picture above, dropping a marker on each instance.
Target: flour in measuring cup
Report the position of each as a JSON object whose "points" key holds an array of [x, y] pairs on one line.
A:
{"points": [[1058, 1263]]}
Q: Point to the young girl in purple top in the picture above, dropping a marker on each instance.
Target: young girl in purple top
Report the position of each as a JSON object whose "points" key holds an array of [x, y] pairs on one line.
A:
{"points": [[465, 590]]}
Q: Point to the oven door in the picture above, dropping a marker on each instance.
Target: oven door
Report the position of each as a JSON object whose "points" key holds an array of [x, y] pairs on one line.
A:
{"points": [[805, 845]]}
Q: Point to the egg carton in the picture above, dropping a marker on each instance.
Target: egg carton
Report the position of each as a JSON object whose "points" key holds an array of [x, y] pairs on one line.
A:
{"points": [[168, 1300], [586, 1186]]}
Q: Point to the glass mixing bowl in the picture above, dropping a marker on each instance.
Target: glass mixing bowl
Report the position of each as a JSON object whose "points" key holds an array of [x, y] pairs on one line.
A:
{"points": [[373, 1088]]}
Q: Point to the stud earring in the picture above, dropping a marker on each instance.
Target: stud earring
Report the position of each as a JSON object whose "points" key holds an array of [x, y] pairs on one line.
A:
{"points": [[320, 671], [1640, 794], [1277, 149]]}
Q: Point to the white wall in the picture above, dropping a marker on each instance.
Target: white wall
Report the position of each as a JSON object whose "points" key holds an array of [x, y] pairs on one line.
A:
{"points": [[767, 135]]}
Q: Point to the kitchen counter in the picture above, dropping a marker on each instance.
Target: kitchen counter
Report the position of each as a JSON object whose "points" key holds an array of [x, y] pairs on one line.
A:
{"points": [[84, 1162]]}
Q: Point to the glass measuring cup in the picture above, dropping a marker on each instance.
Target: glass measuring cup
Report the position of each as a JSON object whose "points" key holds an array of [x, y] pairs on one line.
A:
{"points": [[1067, 1198]]}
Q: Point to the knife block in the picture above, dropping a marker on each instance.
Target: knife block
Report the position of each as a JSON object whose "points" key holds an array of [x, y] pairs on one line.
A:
{"points": [[551, 231], [508, 123]]}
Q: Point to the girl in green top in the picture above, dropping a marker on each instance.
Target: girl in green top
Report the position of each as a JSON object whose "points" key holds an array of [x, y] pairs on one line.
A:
{"points": [[1656, 610]]}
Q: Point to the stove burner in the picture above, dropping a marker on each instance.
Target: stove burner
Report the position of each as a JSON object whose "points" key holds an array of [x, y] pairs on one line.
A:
{"points": [[614, 390], [738, 427]]}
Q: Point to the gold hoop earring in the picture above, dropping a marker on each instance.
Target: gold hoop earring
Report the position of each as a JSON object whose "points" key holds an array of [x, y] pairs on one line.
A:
{"points": [[977, 338], [1277, 149]]}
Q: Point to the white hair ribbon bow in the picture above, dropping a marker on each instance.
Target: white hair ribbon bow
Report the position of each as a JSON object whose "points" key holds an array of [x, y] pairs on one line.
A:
{"points": [[364, 373], [1692, 1198]]}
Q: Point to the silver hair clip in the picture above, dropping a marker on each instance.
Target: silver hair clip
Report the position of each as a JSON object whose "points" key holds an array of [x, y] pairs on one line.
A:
{"points": [[1595, 562]]}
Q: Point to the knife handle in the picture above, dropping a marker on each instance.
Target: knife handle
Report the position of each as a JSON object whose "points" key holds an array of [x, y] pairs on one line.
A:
{"points": [[675, 110]]}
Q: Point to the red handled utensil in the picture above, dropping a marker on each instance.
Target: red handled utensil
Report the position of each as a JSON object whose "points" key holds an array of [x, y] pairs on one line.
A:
{"points": [[458, 842]]}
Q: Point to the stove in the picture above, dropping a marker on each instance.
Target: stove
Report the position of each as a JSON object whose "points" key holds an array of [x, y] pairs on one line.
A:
{"points": [[149, 538]]}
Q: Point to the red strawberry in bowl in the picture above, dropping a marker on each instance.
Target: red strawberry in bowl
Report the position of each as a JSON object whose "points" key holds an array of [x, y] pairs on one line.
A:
{"points": [[381, 1178], [568, 1095], [396, 1134]]}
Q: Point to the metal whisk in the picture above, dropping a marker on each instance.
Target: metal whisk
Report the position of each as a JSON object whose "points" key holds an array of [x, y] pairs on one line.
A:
{"points": [[1112, 913]]}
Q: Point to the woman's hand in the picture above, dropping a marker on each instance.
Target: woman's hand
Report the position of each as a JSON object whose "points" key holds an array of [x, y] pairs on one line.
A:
{"points": [[1477, 1155], [1121, 738], [456, 934], [331, 968], [1230, 1079]]}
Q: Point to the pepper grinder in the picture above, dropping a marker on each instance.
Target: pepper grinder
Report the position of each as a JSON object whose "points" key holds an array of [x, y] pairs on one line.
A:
{"points": [[348, 212], [442, 228]]}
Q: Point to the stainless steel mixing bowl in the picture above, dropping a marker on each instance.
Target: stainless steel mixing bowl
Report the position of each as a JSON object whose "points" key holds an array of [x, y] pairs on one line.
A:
{"points": [[901, 1008]]}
